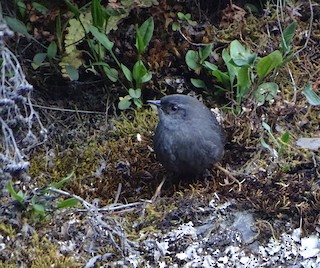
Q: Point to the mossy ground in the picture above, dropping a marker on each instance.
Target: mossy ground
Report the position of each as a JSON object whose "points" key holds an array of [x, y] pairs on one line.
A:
{"points": [[108, 152]]}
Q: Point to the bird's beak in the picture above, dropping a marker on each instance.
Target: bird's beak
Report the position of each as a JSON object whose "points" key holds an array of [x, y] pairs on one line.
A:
{"points": [[155, 102]]}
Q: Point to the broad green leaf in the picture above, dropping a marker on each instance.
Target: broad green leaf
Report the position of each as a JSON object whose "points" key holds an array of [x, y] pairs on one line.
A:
{"points": [[41, 8], [101, 38], [193, 60], [232, 69], [311, 96], [70, 202], [145, 34], [127, 73], [17, 26], [146, 78], [243, 77], [210, 66], [205, 52], [139, 71], [198, 83], [268, 63], [124, 103], [287, 37], [243, 83], [138, 102], [39, 58], [222, 78], [38, 208], [241, 56], [236, 49], [72, 72], [265, 92], [20, 196], [285, 137], [175, 26], [111, 73], [181, 16], [22, 7], [135, 93], [52, 50], [187, 16]]}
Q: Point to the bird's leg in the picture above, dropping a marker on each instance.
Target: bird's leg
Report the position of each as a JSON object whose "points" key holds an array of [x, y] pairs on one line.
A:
{"points": [[228, 174], [157, 192]]}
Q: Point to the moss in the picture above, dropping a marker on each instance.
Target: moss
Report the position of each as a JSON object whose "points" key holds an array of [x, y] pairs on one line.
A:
{"points": [[7, 230], [38, 252]]}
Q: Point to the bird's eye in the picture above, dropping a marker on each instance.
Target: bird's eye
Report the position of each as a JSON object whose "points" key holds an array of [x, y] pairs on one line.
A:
{"points": [[174, 108]]}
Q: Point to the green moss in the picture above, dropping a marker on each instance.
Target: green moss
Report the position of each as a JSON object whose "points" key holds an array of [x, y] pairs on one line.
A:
{"points": [[6, 229], [38, 252], [142, 122]]}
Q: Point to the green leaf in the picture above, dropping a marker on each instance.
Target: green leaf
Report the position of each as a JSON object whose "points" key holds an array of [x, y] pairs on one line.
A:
{"points": [[20, 196], [72, 72], [181, 16], [205, 52], [285, 137], [198, 83], [70, 202], [22, 8], [265, 92], [138, 102], [111, 73], [311, 96], [127, 73], [38, 208], [101, 38], [139, 42], [146, 78], [39, 58], [210, 66], [241, 56], [52, 50], [39, 7], [222, 78], [139, 71], [244, 83], [59, 184], [135, 93], [99, 16], [175, 26], [232, 69], [144, 35], [269, 63], [287, 37], [17, 26], [124, 103], [193, 60]]}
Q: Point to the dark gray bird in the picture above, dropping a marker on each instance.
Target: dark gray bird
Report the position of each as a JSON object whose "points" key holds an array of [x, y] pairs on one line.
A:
{"points": [[188, 138]]}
